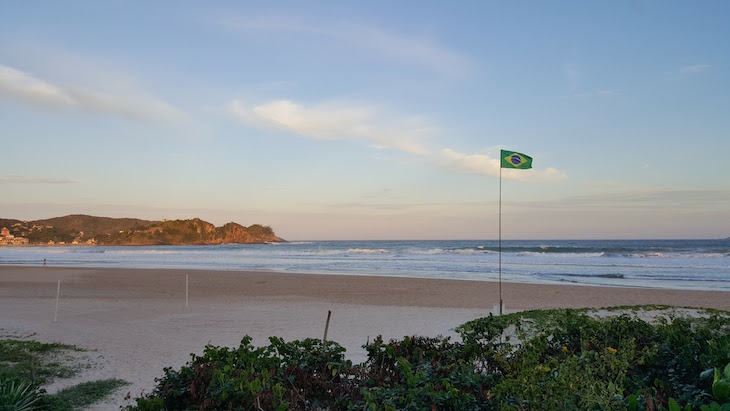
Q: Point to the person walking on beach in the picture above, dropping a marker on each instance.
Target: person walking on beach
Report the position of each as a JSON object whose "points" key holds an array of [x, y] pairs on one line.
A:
{"points": [[44, 263]]}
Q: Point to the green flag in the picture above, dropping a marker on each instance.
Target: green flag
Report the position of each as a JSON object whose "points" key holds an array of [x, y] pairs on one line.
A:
{"points": [[513, 159]]}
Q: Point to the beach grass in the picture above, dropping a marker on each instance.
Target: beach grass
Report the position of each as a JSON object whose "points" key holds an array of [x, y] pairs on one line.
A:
{"points": [[36, 362], [27, 366], [82, 395]]}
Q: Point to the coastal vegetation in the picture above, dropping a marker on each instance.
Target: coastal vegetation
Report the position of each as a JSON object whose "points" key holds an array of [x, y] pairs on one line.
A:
{"points": [[90, 230], [630, 358], [27, 366], [638, 358]]}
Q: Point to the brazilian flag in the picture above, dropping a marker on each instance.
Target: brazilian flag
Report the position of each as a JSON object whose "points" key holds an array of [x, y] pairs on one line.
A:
{"points": [[513, 159]]}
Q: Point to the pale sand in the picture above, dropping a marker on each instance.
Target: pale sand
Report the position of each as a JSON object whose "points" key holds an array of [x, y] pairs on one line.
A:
{"points": [[136, 321]]}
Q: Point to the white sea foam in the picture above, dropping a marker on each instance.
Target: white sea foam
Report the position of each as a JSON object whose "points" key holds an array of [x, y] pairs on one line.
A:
{"points": [[145, 252], [648, 255], [367, 251], [431, 251], [467, 251], [681, 264], [560, 255], [324, 252]]}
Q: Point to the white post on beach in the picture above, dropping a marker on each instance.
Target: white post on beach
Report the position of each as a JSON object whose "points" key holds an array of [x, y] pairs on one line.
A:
{"points": [[186, 290], [58, 294], [327, 326]]}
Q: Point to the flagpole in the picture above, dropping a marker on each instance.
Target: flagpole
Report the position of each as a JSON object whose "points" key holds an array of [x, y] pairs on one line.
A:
{"points": [[500, 239], [508, 159]]}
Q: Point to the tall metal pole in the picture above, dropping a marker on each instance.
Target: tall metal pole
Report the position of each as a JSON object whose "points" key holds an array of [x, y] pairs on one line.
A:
{"points": [[500, 239]]}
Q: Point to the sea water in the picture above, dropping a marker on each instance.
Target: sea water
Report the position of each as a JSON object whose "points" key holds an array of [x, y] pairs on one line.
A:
{"points": [[675, 264]]}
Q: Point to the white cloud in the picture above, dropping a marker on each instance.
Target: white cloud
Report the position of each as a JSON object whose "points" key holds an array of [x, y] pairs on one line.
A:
{"points": [[695, 68], [335, 122], [485, 165], [138, 107], [470, 163], [23, 87], [17, 85], [353, 122], [14, 179], [419, 50]]}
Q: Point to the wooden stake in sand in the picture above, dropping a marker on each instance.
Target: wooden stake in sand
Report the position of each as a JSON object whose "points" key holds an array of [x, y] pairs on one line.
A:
{"points": [[326, 327], [186, 290], [58, 294]]}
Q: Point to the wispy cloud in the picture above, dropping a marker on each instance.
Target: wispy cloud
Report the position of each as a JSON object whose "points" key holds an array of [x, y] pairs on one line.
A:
{"points": [[16, 85], [573, 77], [23, 87], [365, 123], [470, 163], [377, 40], [15, 179], [336, 122], [640, 199], [485, 165], [694, 68]]}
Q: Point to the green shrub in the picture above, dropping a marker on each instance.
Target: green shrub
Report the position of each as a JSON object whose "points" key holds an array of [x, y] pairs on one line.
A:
{"points": [[297, 375], [17, 395], [422, 373], [570, 360], [535, 360], [721, 384]]}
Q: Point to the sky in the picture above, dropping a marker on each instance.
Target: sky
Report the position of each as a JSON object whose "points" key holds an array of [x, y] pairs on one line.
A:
{"points": [[372, 120]]}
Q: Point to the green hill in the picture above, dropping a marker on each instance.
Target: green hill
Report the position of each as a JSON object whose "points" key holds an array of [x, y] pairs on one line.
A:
{"points": [[84, 229]]}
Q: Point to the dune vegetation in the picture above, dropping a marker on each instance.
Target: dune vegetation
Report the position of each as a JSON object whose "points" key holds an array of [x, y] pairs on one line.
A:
{"points": [[26, 367], [627, 358]]}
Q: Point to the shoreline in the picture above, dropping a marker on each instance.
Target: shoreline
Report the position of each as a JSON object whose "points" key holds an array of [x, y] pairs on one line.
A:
{"points": [[136, 321], [428, 292], [666, 264]]}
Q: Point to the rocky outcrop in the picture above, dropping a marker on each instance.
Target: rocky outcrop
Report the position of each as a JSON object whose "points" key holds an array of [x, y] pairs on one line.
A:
{"points": [[82, 229], [238, 234]]}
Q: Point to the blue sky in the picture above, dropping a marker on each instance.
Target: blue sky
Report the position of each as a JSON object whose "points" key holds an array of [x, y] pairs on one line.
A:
{"points": [[377, 120]]}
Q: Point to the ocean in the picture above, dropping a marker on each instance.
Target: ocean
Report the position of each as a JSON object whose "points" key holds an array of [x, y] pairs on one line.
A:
{"points": [[674, 264]]}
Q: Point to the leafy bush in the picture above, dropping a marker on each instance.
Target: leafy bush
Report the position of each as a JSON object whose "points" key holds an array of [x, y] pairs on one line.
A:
{"points": [[571, 360], [721, 384], [535, 360], [421, 373], [298, 375]]}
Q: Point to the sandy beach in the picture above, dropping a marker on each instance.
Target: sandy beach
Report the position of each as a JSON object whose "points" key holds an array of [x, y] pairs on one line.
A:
{"points": [[135, 321]]}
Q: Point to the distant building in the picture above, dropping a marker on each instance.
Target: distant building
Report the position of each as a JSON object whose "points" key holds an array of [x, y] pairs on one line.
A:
{"points": [[8, 239]]}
